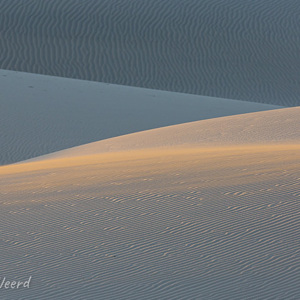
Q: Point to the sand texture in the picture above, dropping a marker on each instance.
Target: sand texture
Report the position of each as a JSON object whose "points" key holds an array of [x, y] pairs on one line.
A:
{"points": [[262, 128], [43, 114], [182, 221], [236, 49]]}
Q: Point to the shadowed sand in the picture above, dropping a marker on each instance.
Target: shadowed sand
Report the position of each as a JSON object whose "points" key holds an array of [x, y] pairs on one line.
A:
{"points": [[42, 114], [237, 49], [268, 127], [149, 222]]}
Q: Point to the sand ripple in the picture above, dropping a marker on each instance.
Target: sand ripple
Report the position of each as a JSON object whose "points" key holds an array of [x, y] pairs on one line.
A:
{"points": [[191, 225], [234, 49]]}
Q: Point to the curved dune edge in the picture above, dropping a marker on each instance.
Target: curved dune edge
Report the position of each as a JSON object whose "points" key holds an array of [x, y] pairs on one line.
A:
{"points": [[279, 126], [42, 114], [202, 210], [205, 209]]}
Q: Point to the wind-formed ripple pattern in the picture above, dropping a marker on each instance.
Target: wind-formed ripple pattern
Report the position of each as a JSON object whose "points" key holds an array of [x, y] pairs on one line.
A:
{"points": [[246, 50]]}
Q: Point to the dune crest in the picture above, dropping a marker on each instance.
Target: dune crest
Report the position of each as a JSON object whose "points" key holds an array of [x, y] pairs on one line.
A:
{"points": [[279, 126], [42, 114], [201, 210]]}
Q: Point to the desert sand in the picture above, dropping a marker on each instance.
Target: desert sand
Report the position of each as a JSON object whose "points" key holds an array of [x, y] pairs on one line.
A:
{"points": [[237, 49], [42, 114], [202, 210], [261, 128]]}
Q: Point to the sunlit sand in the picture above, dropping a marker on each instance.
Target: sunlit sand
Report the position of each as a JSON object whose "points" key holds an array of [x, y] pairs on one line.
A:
{"points": [[203, 210], [42, 114]]}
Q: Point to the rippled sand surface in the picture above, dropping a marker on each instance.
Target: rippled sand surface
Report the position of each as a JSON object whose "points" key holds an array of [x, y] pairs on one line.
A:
{"points": [[150, 222], [246, 50]]}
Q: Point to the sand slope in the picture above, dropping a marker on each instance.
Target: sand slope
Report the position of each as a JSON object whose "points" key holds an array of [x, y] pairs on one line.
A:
{"points": [[183, 222], [42, 114], [269, 127]]}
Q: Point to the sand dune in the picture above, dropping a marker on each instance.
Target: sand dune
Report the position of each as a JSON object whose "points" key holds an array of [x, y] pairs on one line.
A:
{"points": [[43, 114], [183, 222], [115, 192], [280, 126], [234, 49]]}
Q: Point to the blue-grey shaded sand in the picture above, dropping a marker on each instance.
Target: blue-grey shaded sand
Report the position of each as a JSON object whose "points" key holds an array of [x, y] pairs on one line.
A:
{"points": [[42, 114], [237, 49]]}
